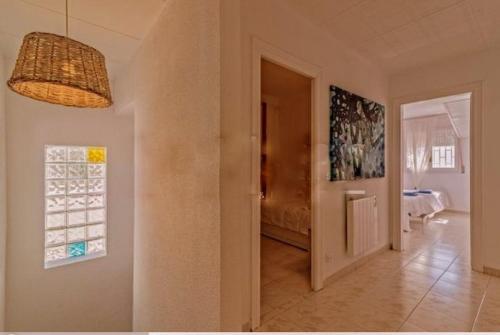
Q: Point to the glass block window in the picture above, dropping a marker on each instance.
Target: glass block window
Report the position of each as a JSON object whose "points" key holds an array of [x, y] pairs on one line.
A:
{"points": [[75, 204]]}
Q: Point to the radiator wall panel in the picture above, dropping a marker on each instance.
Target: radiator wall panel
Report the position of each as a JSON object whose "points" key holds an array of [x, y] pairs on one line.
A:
{"points": [[362, 225]]}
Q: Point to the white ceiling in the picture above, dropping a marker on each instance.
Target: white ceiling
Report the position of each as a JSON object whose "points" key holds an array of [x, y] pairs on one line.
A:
{"points": [[459, 116], [114, 27], [399, 34], [396, 34], [457, 107]]}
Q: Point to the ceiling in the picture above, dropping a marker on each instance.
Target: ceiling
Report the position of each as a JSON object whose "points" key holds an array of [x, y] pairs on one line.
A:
{"points": [[457, 107], [114, 27], [396, 34], [401, 34]]}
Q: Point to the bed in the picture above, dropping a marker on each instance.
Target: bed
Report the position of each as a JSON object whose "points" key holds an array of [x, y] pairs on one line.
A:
{"points": [[423, 205], [289, 222]]}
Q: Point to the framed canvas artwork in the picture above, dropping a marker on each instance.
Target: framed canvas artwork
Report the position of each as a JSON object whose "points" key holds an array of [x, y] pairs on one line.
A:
{"points": [[357, 130]]}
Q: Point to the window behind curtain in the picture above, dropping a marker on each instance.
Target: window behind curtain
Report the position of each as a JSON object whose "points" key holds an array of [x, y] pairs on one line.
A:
{"points": [[443, 157], [443, 144]]}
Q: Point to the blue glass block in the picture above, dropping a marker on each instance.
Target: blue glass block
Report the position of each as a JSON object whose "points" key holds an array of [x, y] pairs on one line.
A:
{"points": [[76, 249]]}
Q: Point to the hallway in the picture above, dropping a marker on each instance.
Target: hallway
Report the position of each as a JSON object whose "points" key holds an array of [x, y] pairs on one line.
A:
{"points": [[429, 287]]}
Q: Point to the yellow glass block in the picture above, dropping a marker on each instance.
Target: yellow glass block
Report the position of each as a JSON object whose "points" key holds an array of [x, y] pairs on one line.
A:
{"points": [[96, 155]]}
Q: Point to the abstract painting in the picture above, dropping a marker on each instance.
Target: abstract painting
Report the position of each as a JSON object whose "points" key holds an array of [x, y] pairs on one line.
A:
{"points": [[357, 130]]}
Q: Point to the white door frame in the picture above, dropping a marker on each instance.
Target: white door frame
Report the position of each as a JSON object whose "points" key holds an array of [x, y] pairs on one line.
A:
{"points": [[476, 194], [262, 50]]}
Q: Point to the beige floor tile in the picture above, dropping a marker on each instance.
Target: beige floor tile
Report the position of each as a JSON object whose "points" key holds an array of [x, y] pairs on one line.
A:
{"points": [[441, 255], [374, 315], [409, 327], [456, 309], [268, 276], [424, 269], [432, 320], [399, 286], [400, 302], [471, 280], [267, 312], [279, 324], [493, 290], [486, 326], [488, 318], [460, 267], [278, 298], [320, 317], [433, 262], [336, 299], [466, 295], [284, 277], [428, 287]]}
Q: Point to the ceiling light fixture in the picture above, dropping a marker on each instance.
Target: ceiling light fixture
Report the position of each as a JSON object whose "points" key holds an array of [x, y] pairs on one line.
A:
{"points": [[60, 70]]}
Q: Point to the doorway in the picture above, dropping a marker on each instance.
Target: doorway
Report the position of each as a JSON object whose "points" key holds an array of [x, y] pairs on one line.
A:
{"points": [[264, 51], [435, 200], [285, 188], [398, 165]]}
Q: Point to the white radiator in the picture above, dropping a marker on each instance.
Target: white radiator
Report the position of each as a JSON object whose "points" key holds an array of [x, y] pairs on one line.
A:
{"points": [[362, 225]]}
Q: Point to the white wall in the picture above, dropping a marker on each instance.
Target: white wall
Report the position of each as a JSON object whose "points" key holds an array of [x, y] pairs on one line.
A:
{"points": [[3, 214], [175, 81], [94, 295], [274, 22], [479, 67], [454, 183]]}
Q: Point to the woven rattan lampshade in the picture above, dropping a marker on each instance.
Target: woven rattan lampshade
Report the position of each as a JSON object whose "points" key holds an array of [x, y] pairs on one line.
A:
{"points": [[60, 70]]}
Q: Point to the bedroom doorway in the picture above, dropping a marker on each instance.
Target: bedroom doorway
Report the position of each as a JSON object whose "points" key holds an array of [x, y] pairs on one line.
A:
{"points": [[285, 187], [264, 51], [436, 180]]}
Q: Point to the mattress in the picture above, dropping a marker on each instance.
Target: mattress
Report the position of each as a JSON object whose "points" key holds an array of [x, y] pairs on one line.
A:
{"points": [[424, 204], [294, 215]]}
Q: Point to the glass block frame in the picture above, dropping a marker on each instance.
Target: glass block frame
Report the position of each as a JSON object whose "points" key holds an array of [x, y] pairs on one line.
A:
{"points": [[75, 204]]}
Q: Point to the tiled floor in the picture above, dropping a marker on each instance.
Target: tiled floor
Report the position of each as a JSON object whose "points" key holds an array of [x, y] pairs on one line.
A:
{"points": [[285, 275], [429, 287]]}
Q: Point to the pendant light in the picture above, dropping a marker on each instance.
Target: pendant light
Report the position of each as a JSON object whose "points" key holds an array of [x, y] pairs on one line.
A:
{"points": [[60, 70]]}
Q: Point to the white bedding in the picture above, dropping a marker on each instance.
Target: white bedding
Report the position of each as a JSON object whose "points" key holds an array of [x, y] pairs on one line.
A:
{"points": [[293, 215], [424, 204]]}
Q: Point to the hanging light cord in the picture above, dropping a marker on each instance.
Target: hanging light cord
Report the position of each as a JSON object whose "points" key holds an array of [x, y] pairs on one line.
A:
{"points": [[67, 18]]}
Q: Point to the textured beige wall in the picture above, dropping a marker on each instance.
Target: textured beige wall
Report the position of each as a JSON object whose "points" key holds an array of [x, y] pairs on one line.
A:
{"points": [[455, 72], [94, 295], [275, 23], [233, 147], [177, 222], [3, 216]]}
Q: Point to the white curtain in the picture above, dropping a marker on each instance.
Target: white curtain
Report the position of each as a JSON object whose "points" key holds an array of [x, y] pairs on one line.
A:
{"points": [[418, 140], [420, 135]]}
